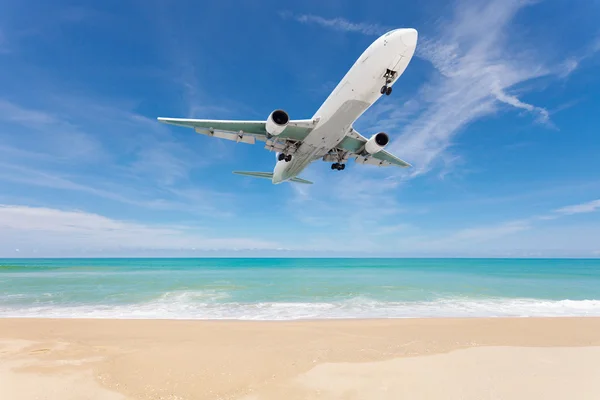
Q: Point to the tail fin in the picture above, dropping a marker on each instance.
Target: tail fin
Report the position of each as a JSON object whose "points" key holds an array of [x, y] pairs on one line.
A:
{"points": [[269, 175]]}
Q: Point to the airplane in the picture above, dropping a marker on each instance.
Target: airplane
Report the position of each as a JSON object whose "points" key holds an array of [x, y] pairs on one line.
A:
{"points": [[329, 135]]}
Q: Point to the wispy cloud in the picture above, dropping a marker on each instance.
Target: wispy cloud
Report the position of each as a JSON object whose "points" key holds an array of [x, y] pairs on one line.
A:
{"points": [[472, 53], [49, 230], [339, 24], [142, 164], [572, 63], [508, 235], [480, 67], [12, 112], [588, 207], [48, 134], [194, 201], [486, 233], [543, 114], [477, 63], [185, 66]]}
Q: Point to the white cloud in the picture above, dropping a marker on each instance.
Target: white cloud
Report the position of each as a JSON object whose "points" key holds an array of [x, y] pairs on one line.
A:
{"points": [[48, 134], [486, 233], [478, 62], [195, 201], [142, 163], [569, 66], [339, 24], [473, 55], [490, 233], [543, 114], [12, 112], [51, 230], [481, 62], [572, 63], [588, 207]]}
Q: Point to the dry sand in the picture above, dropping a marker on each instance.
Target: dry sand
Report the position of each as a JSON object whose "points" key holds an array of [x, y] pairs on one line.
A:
{"points": [[529, 358]]}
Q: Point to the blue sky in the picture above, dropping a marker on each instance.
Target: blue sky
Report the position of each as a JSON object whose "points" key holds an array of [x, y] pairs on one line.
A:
{"points": [[498, 113]]}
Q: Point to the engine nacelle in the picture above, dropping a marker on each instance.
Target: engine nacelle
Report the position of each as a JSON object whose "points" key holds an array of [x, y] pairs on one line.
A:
{"points": [[377, 142], [277, 122]]}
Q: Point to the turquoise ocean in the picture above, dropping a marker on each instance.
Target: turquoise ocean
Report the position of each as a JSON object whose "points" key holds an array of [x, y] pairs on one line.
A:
{"points": [[284, 289]]}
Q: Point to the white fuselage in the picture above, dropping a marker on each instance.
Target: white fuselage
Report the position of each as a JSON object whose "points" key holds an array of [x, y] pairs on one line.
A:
{"points": [[355, 93]]}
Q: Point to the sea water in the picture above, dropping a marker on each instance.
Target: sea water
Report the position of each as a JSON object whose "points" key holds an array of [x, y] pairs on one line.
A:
{"points": [[284, 289]]}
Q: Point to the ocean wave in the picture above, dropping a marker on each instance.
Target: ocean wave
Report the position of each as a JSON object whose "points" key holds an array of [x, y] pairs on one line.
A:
{"points": [[212, 304]]}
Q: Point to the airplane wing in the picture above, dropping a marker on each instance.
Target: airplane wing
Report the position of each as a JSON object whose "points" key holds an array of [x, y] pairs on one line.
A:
{"points": [[354, 143], [243, 131]]}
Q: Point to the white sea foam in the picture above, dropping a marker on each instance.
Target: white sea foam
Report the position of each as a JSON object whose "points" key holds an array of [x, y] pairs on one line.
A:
{"points": [[209, 304]]}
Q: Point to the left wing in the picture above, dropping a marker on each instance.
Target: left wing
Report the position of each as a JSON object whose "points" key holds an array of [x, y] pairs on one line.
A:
{"points": [[354, 144], [243, 131]]}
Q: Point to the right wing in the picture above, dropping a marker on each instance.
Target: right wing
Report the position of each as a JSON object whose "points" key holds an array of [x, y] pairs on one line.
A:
{"points": [[243, 131], [354, 144]]}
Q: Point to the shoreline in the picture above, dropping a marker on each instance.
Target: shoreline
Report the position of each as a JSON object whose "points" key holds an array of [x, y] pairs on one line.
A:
{"points": [[302, 320], [117, 359], [291, 320]]}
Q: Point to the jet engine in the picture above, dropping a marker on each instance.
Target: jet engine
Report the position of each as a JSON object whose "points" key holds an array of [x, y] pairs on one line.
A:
{"points": [[377, 142], [277, 122]]}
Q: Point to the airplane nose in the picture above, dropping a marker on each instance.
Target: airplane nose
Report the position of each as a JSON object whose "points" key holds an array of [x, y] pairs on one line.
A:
{"points": [[409, 37]]}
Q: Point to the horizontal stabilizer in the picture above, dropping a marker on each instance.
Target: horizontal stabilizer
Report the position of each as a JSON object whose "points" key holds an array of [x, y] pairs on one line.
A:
{"points": [[269, 175], [300, 180], [264, 175]]}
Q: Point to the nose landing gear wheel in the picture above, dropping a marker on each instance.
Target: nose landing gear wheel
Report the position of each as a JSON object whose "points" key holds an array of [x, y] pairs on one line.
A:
{"points": [[281, 157], [288, 158]]}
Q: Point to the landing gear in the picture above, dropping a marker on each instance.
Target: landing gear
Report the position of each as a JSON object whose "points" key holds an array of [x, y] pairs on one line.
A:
{"points": [[389, 77], [338, 166], [286, 157], [387, 90]]}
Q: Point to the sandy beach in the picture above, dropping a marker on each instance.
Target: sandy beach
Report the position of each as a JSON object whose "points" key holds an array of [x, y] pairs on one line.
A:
{"points": [[528, 358]]}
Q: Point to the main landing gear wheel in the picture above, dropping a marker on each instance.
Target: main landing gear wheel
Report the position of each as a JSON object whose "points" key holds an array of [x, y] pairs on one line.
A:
{"points": [[338, 166], [286, 157], [387, 90]]}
